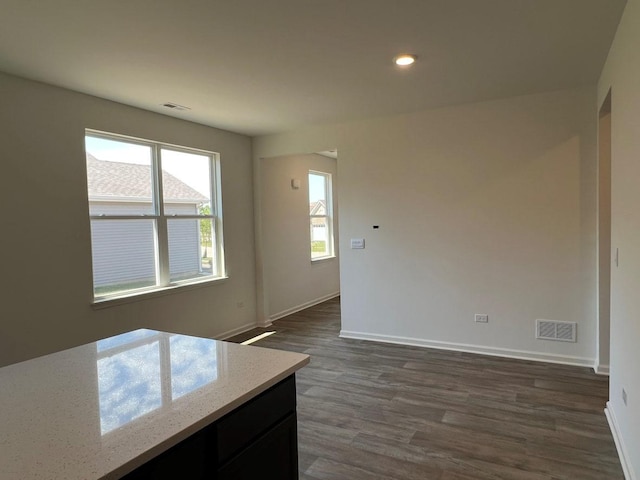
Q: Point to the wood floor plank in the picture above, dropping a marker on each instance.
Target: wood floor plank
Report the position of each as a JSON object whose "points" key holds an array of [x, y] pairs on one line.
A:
{"points": [[377, 411], [375, 461], [324, 468]]}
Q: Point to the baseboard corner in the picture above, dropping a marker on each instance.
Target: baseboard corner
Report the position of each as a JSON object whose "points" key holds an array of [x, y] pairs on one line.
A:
{"points": [[266, 323], [623, 454]]}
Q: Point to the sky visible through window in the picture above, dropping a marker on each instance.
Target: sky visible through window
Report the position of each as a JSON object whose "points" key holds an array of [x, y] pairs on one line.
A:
{"points": [[316, 188]]}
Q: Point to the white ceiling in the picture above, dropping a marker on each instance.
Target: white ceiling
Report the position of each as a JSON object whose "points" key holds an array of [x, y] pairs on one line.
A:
{"points": [[265, 66]]}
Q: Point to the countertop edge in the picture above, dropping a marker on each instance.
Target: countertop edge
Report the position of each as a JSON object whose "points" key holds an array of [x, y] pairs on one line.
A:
{"points": [[203, 422]]}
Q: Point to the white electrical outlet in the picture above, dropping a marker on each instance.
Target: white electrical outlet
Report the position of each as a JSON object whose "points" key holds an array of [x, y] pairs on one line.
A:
{"points": [[482, 318], [624, 397]]}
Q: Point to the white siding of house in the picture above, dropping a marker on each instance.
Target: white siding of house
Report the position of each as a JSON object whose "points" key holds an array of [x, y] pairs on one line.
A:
{"points": [[319, 232], [184, 248], [123, 251], [121, 208]]}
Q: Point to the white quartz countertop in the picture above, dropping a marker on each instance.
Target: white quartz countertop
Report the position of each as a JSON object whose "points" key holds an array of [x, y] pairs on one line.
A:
{"points": [[100, 410]]}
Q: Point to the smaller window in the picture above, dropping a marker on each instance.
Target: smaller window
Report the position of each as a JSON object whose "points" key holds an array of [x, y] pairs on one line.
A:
{"points": [[320, 215]]}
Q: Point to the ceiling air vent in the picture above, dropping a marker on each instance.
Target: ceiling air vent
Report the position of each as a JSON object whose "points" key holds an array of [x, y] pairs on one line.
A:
{"points": [[556, 330], [175, 106]]}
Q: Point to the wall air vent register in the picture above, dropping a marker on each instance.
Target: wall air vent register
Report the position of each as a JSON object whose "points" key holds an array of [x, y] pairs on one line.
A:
{"points": [[556, 330]]}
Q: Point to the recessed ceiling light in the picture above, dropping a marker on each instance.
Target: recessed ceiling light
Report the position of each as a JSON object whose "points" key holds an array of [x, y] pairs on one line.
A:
{"points": [[405, 59]]}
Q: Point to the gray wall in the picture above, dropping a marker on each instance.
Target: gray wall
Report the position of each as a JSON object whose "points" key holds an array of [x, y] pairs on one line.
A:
{"points": [[483, 208], [45, 245]]}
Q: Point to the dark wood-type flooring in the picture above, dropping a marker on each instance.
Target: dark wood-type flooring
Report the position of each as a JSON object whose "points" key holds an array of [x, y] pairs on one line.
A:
{"points": [[378, 411]]}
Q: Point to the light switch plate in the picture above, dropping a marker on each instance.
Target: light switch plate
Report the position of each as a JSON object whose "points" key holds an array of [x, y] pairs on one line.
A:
{"points": [[357, 243]]}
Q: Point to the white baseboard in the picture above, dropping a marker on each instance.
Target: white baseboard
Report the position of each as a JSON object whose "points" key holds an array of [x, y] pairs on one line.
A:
{"points": [[268, 321], [482, 350], [620, 446], [601, 369], [298, 308], [264, 324]]}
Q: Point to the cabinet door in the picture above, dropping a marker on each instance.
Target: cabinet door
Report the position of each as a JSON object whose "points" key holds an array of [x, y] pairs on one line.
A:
{"points": [[274, 456], [240, 428], [191, 459]]}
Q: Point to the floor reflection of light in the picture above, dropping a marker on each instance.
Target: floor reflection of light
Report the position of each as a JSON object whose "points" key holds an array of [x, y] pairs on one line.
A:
{"points": [[257, 337]]}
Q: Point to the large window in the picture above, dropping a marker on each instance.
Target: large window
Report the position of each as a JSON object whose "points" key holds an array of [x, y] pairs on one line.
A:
{"points": [[320, 218], [155, 215]]}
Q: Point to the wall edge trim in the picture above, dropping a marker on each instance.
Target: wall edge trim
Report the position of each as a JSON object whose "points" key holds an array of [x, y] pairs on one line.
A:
{"points": [[620, 446], [469, 348], [601, 369]]}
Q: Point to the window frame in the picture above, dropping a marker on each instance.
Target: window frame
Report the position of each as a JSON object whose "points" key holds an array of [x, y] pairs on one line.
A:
{"points": [[160, 220], [328, 194]]}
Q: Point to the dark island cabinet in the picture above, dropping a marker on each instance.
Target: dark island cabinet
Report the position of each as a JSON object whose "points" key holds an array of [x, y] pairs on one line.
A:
{"points": [[273, 456], [256, 440]]}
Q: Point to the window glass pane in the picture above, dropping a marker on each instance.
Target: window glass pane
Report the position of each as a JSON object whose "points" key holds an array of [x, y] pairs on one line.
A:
{"points": [[129, 385], [186, 182], [317, 194], [320, 245], [119, 177], [192, 251], [123, 255]]}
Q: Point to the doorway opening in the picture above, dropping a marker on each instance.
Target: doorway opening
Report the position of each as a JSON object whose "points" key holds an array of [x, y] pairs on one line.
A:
{"points": [[299, 235]]}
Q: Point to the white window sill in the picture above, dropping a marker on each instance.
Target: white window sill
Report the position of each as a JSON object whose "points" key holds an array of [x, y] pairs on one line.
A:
{"points": [[322, 259], [154, 292]]}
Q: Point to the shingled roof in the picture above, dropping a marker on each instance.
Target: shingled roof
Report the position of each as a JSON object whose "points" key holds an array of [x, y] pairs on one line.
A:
{"points": [[318, 208], [128, 180]]}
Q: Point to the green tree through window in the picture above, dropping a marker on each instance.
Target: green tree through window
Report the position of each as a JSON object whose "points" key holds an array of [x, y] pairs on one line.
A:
{"points": [[205, 229]]}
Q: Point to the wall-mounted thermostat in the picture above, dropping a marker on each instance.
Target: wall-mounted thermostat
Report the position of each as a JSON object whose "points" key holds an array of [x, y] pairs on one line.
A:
{"points": [[357, 243]]}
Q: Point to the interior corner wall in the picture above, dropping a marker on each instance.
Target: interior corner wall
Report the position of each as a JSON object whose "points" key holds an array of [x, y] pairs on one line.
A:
{"points": [[604, 241], [292, 281], [482, 208], [45, 246], [621, 74]]}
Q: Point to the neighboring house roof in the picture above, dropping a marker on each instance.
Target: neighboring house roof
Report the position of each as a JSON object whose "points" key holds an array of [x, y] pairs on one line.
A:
{"points": [[132, 181], [318, 208]]}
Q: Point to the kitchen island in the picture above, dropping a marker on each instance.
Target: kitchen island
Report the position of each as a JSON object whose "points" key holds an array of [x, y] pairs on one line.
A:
{"points": [[149, 404]]}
